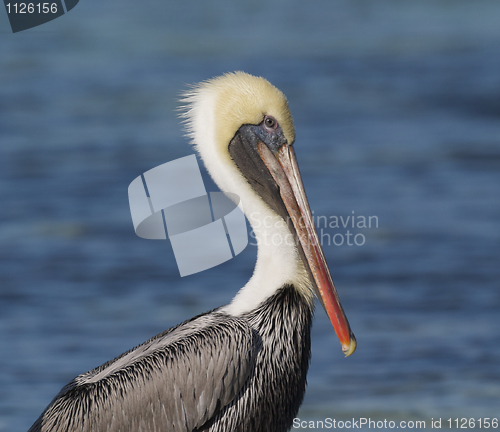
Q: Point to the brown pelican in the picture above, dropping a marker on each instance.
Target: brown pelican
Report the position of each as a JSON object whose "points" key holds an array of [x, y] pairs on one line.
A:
{"points": [[241, 367]]}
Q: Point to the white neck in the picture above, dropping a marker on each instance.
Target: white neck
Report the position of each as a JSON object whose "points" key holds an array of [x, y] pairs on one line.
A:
{"points": [[278, 261]]}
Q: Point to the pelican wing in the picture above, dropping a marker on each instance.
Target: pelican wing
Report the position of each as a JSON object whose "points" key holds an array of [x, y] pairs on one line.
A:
{"points": [[176, 381]]}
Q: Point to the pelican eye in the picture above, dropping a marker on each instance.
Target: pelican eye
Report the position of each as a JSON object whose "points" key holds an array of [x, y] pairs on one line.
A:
{"points": [[270, 123]]}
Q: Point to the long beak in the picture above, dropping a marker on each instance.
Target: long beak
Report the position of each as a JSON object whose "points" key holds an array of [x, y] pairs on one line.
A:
{"points": [[284, 169]]}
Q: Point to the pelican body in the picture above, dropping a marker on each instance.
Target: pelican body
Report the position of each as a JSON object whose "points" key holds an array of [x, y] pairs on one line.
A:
{"points": [[243, 366]]}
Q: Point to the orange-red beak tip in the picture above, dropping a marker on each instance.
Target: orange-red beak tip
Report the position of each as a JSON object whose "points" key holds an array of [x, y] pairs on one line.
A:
{"points": [[349, 349]]}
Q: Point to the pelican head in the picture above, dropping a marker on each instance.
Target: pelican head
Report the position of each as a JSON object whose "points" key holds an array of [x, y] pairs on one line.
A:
{"points": [[243, 130]]}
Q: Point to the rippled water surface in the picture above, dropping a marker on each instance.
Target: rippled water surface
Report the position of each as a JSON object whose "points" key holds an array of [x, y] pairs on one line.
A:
{"points": [[397, 111]]}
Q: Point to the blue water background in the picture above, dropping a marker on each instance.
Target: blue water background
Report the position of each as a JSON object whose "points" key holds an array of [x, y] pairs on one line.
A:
{"points": [[397, 111]]}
